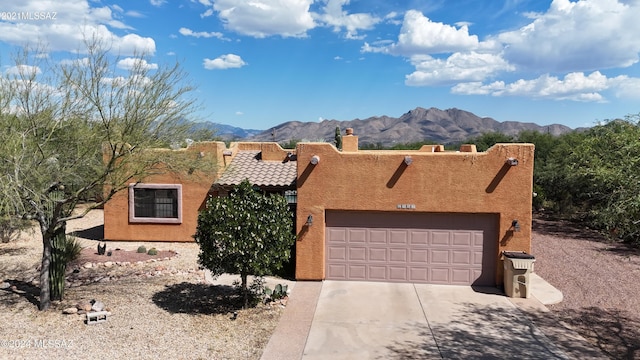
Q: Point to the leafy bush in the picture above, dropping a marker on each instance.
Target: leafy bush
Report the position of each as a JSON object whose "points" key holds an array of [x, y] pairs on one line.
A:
{"points": [[10, 227], [246, 233], [152, 251], [142, 249]]}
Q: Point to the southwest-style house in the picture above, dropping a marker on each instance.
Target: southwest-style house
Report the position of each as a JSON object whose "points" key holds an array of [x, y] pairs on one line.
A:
{"points": [[425, 216]]}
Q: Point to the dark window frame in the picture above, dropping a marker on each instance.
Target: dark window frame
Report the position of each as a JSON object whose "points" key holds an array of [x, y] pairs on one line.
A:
{"points": [[159, 202]]}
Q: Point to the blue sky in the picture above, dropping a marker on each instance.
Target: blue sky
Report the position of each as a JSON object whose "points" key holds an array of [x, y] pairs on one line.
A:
{"points": [[259, 63]]}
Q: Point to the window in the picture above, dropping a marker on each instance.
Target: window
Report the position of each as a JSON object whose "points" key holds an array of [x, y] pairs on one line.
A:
{"points": [[155, 203], [291, 196]]}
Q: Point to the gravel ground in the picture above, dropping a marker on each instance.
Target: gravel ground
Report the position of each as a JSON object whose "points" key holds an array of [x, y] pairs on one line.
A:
{"points": [[160, 309], [173, 314], [599, 281]]}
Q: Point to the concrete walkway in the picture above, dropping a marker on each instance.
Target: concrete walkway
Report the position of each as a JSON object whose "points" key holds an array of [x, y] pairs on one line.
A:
{"points": [[363, 320]]}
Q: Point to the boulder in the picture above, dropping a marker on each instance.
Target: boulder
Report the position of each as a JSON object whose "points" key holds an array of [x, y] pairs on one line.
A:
{"points": [[97, 306], [70, 310]]}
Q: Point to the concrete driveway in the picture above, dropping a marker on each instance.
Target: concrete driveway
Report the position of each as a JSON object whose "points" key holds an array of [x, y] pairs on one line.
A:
{"points": [[365, 320]]}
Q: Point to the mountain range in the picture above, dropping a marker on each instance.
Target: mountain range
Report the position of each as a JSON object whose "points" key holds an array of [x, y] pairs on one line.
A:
{"points": [[441, 126]]}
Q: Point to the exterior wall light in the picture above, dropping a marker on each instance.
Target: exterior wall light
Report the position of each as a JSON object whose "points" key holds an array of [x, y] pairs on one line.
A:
{"points": [[408, 160], [512, 161], [515, 225], [315, 159], [309, 220]]}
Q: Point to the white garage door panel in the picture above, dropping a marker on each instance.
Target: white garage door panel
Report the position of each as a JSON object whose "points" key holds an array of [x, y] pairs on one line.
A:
{"points": [[411, 247]]}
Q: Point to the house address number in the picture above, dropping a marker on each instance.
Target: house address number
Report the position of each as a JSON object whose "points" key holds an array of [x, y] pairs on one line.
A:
{"points": [[406, 206]]}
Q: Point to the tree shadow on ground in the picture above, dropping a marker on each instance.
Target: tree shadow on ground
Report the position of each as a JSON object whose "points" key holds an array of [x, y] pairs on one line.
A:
{"points": [[204, 299], [13, 251], [487, 332], [18, 292], [93, 233], [615, 332], [546, 225]]}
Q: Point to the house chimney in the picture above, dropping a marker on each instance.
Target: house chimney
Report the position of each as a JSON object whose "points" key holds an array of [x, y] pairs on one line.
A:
{"points": [[350, 141]]}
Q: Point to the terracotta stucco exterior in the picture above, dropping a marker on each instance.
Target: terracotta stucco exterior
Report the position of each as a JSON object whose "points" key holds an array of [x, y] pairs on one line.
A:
{"points": [[195, 190], [429, 180]]}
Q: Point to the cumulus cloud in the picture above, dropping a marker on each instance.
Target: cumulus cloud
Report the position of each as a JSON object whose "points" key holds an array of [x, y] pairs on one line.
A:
{"points": [[188, 32], [26, 70], [419, 35], [263, 18], [574, 86], [228, 61], [467, 66], [75, 20], [626, 87], [75, 62], [133, 63], [577, 36], [334, 16]]}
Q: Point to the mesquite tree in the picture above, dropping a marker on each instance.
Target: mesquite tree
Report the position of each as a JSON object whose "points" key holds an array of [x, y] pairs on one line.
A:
{"points": [[246, 233], [74, 127]]}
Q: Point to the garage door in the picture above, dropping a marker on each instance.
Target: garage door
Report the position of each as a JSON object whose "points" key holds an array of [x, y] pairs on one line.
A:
{"points": [[457, 249]]}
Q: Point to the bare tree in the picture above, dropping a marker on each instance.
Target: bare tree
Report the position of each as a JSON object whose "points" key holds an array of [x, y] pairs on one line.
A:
{"points": [[76, 127]]}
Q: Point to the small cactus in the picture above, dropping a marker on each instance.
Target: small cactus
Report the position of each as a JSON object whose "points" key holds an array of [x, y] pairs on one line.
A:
{"points": [[142, 249], [152, 251]]}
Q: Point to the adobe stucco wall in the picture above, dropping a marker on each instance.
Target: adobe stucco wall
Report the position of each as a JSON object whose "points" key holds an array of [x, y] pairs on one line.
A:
{"points": [[194, 194], [195, 189], [440, 182]]}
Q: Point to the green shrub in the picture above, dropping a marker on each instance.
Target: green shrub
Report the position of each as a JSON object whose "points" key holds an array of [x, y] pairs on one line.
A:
{"points": [[10, 228], [72, 249], [152, 251], [142, 249]]}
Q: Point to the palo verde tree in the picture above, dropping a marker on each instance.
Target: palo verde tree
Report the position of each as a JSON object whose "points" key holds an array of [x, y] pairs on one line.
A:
{"points": [[246, 233], [77, 127]]}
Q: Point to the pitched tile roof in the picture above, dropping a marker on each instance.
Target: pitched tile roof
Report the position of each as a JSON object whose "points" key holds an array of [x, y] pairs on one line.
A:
{"points": [[248, 165]]}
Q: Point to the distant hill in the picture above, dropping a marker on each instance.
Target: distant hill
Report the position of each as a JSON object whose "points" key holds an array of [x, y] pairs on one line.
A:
{"points": [[226, 132], [419, 124]]}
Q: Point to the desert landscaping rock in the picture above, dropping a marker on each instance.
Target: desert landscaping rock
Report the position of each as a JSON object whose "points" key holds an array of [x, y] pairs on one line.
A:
{"points": [[168, 315], [71, 310], [5, 285]]}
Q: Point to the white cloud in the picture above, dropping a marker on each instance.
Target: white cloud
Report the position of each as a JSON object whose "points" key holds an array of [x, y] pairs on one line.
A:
{"points": [[135, 82], [135, 14], [26, 70], [419, 36], [75, 21], [133, 63], [577, 36], [227, 61], [334, 16], [263, 18], [75, 62], [468, 66], [239, 113], [626, 87], [574, 86], [157, 3], [188, 32]]}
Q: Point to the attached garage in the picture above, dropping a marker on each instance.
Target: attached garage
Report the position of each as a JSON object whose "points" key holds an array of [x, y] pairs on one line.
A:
{"points": [[433, 248]]}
